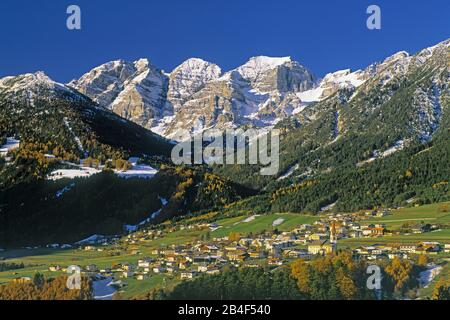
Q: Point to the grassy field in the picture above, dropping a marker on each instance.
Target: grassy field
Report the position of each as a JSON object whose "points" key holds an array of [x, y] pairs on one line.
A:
{"points": [[39, 260], [440, 236], [427, 214], [136, 288], [244, 226]]}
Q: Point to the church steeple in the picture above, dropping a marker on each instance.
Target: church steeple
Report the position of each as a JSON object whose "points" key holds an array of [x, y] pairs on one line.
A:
{"points": [[333, 237]]}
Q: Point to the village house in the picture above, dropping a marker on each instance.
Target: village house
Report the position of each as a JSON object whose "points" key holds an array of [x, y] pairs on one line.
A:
{"points": [[158, 269], [408, 248], [258, 254], [321, 247], [128, 267], [374, 230], [202, 268], [22, 280], [145, 262], [127, 274], [187, 274], [54, 268], [171, 269], [383, 213], [318, 236], [355, 234], [400, 255], [105, 271], [297, 254], [91, 268], [141, 276], [237, 255], [274, 262], [213, 270]]}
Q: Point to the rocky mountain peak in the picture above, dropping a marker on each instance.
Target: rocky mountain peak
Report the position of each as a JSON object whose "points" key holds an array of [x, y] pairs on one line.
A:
{"points": [[31, 83], [189, 77], [255, 66], [269, 74], [260, 92]]}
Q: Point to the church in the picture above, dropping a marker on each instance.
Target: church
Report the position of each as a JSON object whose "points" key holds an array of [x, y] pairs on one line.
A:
{"points": [[326, 246]]}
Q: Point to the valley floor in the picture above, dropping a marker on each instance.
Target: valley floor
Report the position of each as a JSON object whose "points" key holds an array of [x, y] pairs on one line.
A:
{"points": [[165, 255]]}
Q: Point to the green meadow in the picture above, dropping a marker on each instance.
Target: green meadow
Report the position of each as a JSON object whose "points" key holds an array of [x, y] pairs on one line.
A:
{"points": [[248, 224], [442, 236], [39, 260], [427, 214]]}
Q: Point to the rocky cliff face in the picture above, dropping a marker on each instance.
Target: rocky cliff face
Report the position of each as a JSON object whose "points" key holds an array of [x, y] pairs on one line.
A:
{"points": [[135, 90], [188, 78], [196, 95]]}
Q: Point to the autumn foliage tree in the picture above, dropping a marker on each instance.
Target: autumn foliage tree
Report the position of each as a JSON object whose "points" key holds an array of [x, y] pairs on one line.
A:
{"points": [[45, 289], [441, 290]]}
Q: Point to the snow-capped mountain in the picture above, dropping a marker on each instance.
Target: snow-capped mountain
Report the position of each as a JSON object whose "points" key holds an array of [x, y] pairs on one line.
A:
{"points": [[136, 91], [262, 92], [37, 109], [188, 78], [196, 94], [29, 85], [364, 138]]}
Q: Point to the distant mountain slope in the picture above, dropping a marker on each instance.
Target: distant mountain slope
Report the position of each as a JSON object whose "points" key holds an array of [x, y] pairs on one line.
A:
{"points": [[68, 210], [54, 120], [352, 140], [373, 142]]}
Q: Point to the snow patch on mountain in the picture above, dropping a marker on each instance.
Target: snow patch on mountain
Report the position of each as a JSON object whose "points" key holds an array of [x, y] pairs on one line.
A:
{"points": [[289, 172], [77, 139], [64, 190], [80, 172], [253, 68], [30, 81], [430, 111], [132, 228], [189, 77], [397, 146]]}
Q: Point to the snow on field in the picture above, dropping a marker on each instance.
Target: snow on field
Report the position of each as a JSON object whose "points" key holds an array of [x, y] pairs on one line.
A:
{"points": [[139, 171], [277, 222], [10, 144], [103, 290], [251, 218], [136, 170], [92, 239], [73, 173], [248, 219], [328, 207], [428, 275]]}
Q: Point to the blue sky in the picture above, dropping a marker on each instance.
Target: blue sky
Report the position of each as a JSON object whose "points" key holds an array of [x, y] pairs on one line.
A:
{"points": [[322, 35]]}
